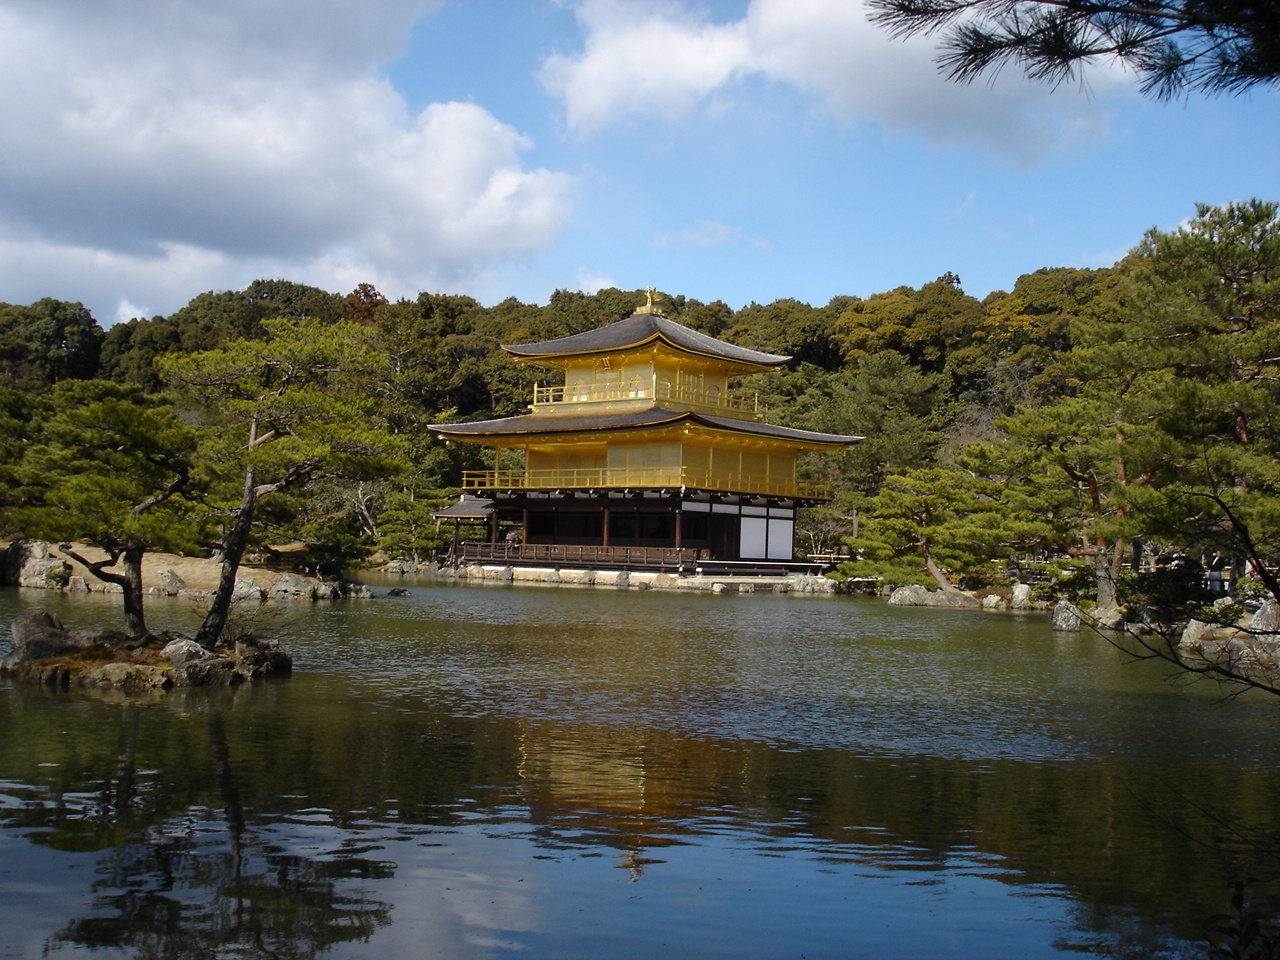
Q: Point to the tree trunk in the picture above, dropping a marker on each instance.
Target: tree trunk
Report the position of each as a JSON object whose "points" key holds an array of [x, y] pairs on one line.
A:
{"points": [[129, 581], [1239, 561], [215, 620], [934, 571], [1105, 567], [135, 624]]}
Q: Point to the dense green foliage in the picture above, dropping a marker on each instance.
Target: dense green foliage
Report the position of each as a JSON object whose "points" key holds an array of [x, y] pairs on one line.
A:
{"points": [[108, 465], [281, 411], [1173, 46], [1100, 418]]}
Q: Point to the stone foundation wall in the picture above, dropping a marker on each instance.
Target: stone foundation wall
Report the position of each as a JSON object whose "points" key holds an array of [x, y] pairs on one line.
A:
{"points": [[620, 579]]}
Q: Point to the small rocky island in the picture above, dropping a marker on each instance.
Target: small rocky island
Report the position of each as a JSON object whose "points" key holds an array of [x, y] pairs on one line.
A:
{"points": [[46, 652]]}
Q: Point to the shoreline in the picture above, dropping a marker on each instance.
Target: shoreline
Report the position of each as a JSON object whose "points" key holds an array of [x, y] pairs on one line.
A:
{"points": [[34, 564], [617, 579]]}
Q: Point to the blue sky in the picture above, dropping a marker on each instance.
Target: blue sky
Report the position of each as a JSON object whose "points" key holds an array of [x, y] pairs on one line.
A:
{"points": [[739, 150]]}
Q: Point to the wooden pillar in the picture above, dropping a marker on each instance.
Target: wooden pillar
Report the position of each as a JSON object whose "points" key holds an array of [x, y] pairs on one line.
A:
{"points": [[604, 528], [679, 513]]}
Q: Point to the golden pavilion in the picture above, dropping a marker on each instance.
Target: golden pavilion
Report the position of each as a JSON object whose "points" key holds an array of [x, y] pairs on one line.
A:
{"points": [[643, 458]]}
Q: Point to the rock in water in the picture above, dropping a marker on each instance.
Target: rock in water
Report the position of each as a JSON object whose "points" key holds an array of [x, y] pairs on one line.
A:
{"points": [[255, 659], [45, 652], [291, 586], [39, 636], [1192, 633], [1066, 617], [324, 590], [1267, 620], [171, 583], [912, 595], [1109, 616], [244, 589]]}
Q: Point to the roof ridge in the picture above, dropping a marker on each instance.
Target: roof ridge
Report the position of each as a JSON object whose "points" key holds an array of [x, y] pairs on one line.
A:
{"points": [[638, 329]]}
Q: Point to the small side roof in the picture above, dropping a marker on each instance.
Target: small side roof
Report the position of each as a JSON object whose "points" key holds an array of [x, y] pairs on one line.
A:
{"points": [[637, 330], [467, 508]]}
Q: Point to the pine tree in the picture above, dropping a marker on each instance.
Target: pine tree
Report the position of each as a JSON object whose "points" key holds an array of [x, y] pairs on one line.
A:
{"points": [[285, 410], [937, 521], [1199, 331], [114, 468]]}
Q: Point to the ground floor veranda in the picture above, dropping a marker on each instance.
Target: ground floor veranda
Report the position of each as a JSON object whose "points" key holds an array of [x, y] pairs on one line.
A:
{"points": [[682, 563], [673, 530]]}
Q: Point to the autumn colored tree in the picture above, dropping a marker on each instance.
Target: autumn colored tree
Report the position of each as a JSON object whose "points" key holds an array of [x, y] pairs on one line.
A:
{"points": [[362, 303], [929, 327]]}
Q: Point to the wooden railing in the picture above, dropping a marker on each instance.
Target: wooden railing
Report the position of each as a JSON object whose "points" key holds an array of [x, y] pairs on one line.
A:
{"points": [[685, 561], [643, 478], [664, 558], [694, 398]]}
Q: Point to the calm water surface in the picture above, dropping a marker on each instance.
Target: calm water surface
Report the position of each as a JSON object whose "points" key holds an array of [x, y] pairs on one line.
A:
{"points": [[501, 772]]}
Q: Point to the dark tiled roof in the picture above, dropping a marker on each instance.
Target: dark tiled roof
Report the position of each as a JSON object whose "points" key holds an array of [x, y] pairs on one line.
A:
{"points": [[770, 430], [640, 328], [534, 424], [561, 422], [472, 508]]}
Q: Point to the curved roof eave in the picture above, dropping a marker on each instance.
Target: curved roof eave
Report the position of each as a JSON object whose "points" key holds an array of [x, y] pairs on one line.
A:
{"points": [[636, 331], [544, 424]]}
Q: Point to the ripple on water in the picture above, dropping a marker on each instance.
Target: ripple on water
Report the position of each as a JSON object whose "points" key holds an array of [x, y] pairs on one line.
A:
{"points": [[588, 773]]}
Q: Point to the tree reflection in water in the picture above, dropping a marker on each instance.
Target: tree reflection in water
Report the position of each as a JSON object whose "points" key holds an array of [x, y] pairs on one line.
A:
{"points": [[776, 777], [183, 896], [196, 884]]}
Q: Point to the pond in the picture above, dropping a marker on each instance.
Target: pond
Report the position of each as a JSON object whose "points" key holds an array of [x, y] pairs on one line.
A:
{"points": [[494, 772]]}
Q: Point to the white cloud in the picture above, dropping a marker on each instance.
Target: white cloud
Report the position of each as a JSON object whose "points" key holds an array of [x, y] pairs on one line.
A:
{"points": [[127, 310], [962, 209], [708, 233], [98, 277], [1102, 258], [168, 147], [658, 59], [643, 57], [593, 282]]}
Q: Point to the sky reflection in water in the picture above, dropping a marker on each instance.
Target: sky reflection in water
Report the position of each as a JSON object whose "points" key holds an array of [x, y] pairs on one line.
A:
{"points": [[479, 773]]}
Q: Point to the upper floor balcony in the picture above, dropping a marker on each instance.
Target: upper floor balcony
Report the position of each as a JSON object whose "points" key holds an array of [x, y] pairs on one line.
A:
{"points": [[645, 478], [642, 391]]}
